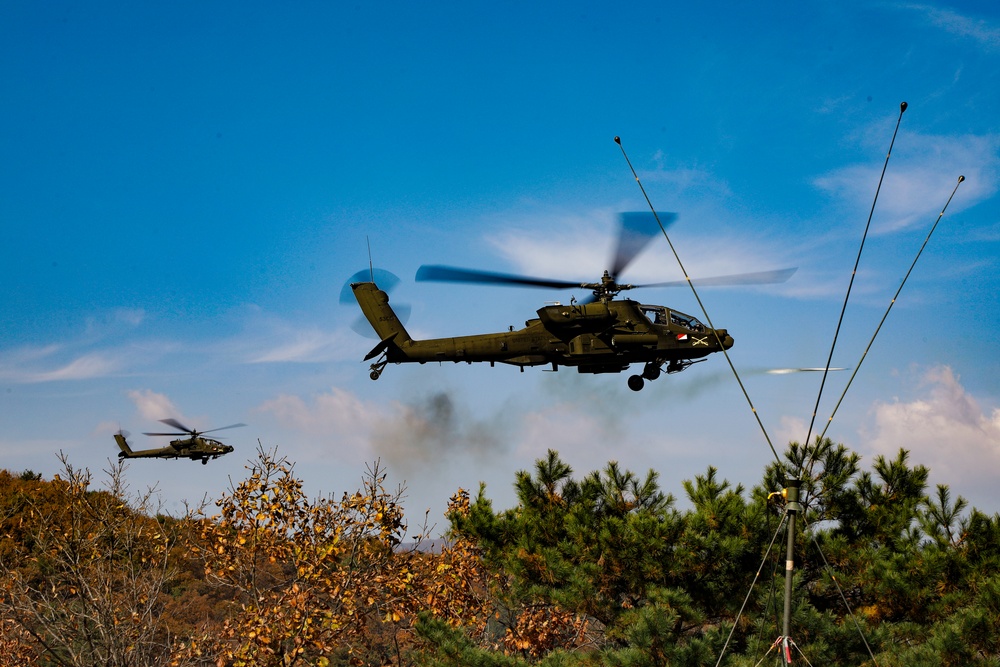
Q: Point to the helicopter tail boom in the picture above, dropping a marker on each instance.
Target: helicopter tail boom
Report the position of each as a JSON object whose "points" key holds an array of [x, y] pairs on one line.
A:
{"points": [[123, 445], [375, 306]]}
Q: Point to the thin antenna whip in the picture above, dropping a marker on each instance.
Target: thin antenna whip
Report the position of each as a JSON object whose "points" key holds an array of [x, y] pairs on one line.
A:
{"points": [[889, 308], [854, 272], [371, 267], [700, 304]]}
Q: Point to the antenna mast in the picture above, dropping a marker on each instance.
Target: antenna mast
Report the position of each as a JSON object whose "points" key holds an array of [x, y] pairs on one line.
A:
{"points": [[371, 267], [792, 507]]}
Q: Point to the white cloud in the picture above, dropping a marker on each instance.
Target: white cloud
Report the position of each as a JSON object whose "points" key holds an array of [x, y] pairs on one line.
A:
{"points": [[338, 418], [585, 438], [335, 413], [154, 406], [580, 247], [915, 191], [790, 429], [567, 247], [947, 431]]}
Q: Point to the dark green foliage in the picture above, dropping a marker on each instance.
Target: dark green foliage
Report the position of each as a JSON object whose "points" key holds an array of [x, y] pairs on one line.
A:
{"points": [[883, 569]]}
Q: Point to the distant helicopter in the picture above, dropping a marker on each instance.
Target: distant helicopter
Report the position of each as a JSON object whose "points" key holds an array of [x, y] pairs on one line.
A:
{"points": [[600, 334], [194, 447]]}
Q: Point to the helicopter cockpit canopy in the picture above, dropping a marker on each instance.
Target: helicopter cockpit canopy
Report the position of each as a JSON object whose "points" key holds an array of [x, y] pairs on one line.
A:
{"points": [[663, 316]]}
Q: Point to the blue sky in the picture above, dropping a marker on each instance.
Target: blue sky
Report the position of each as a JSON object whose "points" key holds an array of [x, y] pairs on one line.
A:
{"points": [[188, 186]]}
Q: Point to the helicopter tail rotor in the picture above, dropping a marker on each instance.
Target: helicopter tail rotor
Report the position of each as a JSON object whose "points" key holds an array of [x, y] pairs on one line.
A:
{"points": [[386, 281]]}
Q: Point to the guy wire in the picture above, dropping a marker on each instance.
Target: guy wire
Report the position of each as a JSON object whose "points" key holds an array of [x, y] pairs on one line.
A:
{"points": [[701, 305], [760, 569]]}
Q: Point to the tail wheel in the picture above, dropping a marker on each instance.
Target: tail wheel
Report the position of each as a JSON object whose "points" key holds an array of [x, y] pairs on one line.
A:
{"points": [[377, 368]]}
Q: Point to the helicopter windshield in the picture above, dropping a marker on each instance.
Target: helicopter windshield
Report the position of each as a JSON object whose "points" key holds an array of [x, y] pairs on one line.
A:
{"points": [[663, 316]]}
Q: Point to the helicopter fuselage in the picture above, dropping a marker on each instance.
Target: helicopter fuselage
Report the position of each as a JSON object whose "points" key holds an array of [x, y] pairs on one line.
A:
{"points": [[194, 448], [603, 336]]}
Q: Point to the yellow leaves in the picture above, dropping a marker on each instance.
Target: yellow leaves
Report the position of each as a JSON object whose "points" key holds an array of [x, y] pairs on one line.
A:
{"points": [[321, 574]]}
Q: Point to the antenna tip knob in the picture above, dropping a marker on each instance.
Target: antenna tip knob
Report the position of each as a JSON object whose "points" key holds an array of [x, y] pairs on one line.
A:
{"points": [[961, 178], [618, 140], [902, 107]]}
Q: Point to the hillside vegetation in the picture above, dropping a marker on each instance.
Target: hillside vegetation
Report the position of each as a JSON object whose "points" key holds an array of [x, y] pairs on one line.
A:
{"points": [[599, 569]]}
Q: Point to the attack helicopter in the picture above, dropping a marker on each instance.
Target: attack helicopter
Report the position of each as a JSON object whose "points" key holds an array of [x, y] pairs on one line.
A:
{"points": [[599, 334], [193, 447]]}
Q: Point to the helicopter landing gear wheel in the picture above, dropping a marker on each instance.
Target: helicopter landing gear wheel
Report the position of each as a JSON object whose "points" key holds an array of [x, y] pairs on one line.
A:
{"points": [[651, 371], [377, 368], [635, 382]]}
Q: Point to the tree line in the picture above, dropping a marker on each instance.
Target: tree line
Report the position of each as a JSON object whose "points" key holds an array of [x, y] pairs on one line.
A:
{"points": [[599, 569]]}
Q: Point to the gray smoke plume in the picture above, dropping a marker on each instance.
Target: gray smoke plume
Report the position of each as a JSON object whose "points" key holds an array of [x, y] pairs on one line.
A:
{"points": [[433, 431]]}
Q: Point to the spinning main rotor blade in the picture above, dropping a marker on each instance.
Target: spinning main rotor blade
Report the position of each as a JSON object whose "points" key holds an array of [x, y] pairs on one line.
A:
{"points": [[187, 431], [456, 275], [222, 428], [176, 424], [449, 274], [635, 231], [756, 278]]}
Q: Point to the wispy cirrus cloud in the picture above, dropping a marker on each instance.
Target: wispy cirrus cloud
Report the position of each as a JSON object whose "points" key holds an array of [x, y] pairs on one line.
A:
{"points": [[984, 33], [35, 365], [299, 346], [263, 337], [915, 191], [88, 354]]}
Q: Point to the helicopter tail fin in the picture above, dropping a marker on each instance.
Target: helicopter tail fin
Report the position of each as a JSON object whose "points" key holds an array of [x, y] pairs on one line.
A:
{"points": [[123, 444], [375, 305]]}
